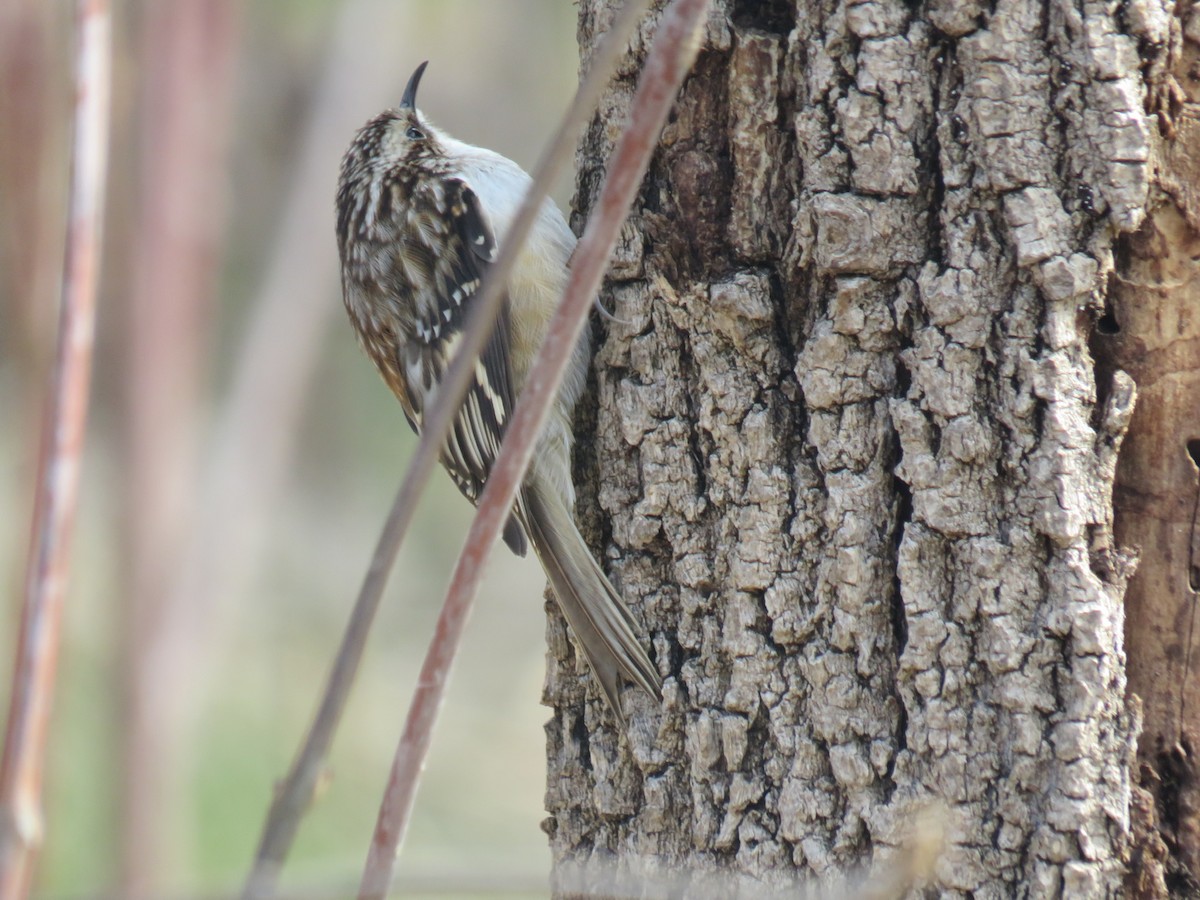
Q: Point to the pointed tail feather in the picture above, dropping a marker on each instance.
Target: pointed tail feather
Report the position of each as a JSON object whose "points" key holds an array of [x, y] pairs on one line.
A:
{"points": [[602, 624]]}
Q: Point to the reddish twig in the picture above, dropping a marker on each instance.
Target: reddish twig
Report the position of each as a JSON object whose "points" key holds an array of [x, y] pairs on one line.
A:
{"points": [[59, 463], [295, 792], [669, 61]]}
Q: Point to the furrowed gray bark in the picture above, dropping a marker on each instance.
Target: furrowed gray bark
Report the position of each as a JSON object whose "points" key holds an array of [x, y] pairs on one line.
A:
{"points": [[849, 461]]}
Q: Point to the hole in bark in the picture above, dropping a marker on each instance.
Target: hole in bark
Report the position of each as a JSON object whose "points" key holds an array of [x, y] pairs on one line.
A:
{"points": [[579, 733], [699, 460], [1180, 883], [904, 514], [770, 15], [1108, 324], [903, 379], [1172, 773], [901, 738]]}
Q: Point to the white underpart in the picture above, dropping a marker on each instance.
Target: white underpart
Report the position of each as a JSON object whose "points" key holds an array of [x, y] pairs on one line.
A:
{"points": [[534, 290]]}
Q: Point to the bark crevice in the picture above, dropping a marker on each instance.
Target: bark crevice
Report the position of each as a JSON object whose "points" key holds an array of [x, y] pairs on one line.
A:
{"points": [[855, 459]]}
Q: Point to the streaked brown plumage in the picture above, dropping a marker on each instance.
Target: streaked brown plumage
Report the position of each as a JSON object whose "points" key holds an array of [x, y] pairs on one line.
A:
{"points": [[419, 215]]}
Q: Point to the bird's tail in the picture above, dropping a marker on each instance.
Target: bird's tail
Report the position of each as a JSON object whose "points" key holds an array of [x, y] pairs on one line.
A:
{"points": [[602, 623]]}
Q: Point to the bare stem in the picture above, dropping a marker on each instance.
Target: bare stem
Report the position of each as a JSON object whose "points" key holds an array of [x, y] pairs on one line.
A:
{"points": [[59, 463], [295, 793], [669, 60]]}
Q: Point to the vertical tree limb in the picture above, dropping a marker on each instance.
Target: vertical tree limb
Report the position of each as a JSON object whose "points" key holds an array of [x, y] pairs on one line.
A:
{"points": [[60, 462]]}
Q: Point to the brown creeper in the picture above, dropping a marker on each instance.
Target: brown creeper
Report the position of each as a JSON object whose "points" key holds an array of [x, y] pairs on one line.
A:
{"points": [[419, 215]]}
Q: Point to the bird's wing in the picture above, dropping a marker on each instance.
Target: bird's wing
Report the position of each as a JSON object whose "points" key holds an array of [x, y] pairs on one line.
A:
{"points": [[453, 251]]}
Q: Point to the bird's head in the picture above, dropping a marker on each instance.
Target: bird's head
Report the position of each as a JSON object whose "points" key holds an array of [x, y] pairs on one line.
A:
{"points": [[402, 134]]}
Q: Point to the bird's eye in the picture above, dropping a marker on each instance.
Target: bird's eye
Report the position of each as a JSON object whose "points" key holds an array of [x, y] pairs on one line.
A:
{"points": [[414, 133]]}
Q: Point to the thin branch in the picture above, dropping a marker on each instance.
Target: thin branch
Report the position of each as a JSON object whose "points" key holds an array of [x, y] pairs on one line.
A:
{"points": [[669, 60], [295, 792], [59, 464]]}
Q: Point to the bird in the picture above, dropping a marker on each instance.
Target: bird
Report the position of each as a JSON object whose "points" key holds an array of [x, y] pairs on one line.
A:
{"points": [[420, 215]]}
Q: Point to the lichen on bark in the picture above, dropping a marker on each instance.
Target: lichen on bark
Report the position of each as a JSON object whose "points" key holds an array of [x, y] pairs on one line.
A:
{"points": [[847, 459]]}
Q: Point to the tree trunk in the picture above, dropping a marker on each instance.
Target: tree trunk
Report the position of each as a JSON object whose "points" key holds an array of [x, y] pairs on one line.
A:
{"points": [[1152, 331], [852, 465]]}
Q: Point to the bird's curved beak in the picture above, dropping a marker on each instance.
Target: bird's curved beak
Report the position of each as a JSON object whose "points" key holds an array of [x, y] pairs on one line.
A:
{"points": [[409, 100]]}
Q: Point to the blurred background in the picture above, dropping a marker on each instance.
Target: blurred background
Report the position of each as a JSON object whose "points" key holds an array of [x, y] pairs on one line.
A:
{"points": [[242, 453]]}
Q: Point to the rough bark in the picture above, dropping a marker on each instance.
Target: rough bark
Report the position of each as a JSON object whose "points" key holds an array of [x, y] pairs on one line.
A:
{"points": [[851, 463]]}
